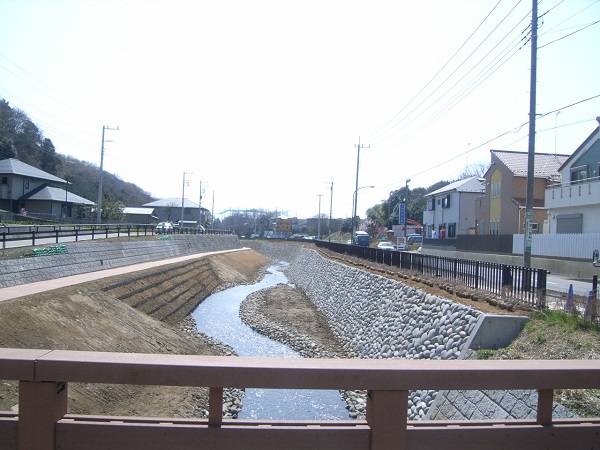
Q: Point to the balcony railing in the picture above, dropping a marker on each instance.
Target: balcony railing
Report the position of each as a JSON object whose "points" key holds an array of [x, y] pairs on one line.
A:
{"points": [[579, 193], [43, 421]]}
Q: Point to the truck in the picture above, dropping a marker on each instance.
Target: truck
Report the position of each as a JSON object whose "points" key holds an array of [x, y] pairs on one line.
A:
{"points": [[362, 238]]}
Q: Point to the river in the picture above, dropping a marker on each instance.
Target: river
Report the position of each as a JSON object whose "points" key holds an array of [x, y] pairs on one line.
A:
{"points": [[218, 316]]}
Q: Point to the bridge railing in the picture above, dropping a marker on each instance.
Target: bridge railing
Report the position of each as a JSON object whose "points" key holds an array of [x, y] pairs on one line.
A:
{"points": [[43, 421]]}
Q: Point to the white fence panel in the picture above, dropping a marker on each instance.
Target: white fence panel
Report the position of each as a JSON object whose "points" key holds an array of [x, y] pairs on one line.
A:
{"points": [[577, 246]]}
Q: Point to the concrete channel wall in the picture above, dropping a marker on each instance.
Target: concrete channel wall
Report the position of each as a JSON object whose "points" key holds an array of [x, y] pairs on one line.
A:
{"points": [[89, 256], [377, 318]]}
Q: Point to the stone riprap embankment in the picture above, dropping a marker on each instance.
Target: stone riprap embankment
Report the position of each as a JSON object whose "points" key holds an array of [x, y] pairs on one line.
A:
{"points": [[85, 256], [375, 317], [380, 318]]}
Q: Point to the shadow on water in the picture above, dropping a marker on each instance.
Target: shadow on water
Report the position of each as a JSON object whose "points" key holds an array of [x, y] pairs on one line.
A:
{"points": [[218, 316]]}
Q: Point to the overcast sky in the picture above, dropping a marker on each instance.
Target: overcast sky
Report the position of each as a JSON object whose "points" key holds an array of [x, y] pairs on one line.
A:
{"points": [[264, 102]]}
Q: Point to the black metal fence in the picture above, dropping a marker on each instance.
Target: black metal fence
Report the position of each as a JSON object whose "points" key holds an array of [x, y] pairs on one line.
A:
{"points": [[37, 234], [513, 283]]}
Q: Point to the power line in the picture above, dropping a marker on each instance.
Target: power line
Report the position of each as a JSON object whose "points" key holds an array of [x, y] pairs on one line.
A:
{"points": [[373, 136], [410, 116], [511, 131], [570, 34]]}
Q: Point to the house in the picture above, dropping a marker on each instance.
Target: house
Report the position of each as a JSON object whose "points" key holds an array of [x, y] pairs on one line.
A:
{"points": [[450, 210], [139, 215], [574, 205], [501, 210], [25, 189], [170, 210]]}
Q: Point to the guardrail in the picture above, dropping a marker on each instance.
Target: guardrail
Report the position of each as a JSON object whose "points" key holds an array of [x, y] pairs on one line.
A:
{"points": [[44, 423], [32, 234], [522, 284]]}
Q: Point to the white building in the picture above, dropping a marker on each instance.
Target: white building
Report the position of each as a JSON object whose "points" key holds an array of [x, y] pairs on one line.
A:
{"points": [[574, 205], [450, 210]]}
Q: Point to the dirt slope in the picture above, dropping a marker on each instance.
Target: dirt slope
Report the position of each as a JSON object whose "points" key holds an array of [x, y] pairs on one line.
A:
{"points": [[91, 317]]}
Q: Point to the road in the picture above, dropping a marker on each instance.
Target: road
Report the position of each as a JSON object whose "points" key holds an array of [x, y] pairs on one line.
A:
{"points": [[53, 240]]}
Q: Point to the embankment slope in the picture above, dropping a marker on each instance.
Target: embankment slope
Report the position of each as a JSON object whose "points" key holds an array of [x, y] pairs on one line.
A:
{"points": [[140, 312]]}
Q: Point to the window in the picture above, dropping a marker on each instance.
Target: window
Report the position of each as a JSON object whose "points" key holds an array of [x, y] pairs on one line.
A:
{"points": [[495, 190], [494, 226], [452, 230], [26, 183], [579, 174], [4, 180], [446, 201], [431, 204]]}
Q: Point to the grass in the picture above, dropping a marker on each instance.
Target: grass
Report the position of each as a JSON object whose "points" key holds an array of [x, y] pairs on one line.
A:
{"points": [[556, 335]]}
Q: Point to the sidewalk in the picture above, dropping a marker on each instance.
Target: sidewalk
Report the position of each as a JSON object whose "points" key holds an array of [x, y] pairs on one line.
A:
{"points": [[23, 290]]}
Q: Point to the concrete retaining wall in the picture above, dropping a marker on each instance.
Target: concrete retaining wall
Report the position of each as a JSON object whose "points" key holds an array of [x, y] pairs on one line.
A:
{"points": [[89, 256]]}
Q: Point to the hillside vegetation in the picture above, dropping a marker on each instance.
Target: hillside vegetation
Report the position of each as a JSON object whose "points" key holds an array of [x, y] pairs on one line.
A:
{"points": [[21, 139]]}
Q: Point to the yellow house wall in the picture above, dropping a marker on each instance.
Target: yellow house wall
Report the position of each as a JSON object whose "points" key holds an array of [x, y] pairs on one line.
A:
{"points": [[495, 203]]}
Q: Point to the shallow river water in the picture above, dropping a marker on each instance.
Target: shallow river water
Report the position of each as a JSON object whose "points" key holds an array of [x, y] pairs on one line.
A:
{"points": [[218, 317]]}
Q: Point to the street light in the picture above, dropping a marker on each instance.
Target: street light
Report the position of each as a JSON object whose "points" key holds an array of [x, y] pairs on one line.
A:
{"points": [[354, 202]]}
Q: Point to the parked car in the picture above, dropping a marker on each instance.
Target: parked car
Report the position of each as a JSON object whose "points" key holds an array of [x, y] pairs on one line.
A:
{"points": [[385, 246], [164, 227]]}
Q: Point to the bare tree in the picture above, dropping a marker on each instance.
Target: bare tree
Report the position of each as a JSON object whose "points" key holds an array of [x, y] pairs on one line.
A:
{"points": [[474, 170]]}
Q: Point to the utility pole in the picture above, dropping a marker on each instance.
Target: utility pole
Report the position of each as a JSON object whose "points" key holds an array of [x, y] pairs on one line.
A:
{"points": [[99, 207], [528, 238], [319, 222], [183, 198], [330, 210], [200, 215], [356, 189], [212, 213]]}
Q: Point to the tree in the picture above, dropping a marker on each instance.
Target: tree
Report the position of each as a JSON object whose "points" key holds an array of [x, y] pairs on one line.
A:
{"points": [[346, 225], [373, 229], [170, 210], [48, 160], [474, 170], [6, 149]]}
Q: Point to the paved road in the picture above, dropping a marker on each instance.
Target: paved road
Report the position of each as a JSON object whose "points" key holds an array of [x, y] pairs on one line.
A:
{"points": [[561, 283], [52, 240]]}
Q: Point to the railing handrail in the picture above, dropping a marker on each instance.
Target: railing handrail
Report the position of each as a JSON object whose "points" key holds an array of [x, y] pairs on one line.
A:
{"points": [[44, 376], [287, 373]]}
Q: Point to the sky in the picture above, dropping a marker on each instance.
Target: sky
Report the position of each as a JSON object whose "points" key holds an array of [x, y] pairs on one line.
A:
{"points": [[264, 104]]}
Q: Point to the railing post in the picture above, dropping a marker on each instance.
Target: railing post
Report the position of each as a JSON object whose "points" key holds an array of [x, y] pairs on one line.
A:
{"points": [[41, 405], [387, 417], [544, 406], [215, 406]]}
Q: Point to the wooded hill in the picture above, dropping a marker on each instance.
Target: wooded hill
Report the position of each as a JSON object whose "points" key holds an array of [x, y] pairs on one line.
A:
{"points": [[20, 138]]}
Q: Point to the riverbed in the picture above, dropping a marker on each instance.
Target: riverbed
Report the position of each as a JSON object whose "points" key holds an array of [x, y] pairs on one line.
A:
{"points": [[218, 316]]}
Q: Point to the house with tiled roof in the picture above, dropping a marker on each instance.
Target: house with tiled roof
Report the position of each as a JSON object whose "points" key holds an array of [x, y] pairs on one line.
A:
{"points": [[25, 189], [501, 209], [574, 203], [450, 210]]}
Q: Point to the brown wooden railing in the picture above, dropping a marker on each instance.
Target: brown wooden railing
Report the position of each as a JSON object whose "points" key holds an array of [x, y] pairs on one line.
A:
{"points": [[43, 422]]}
